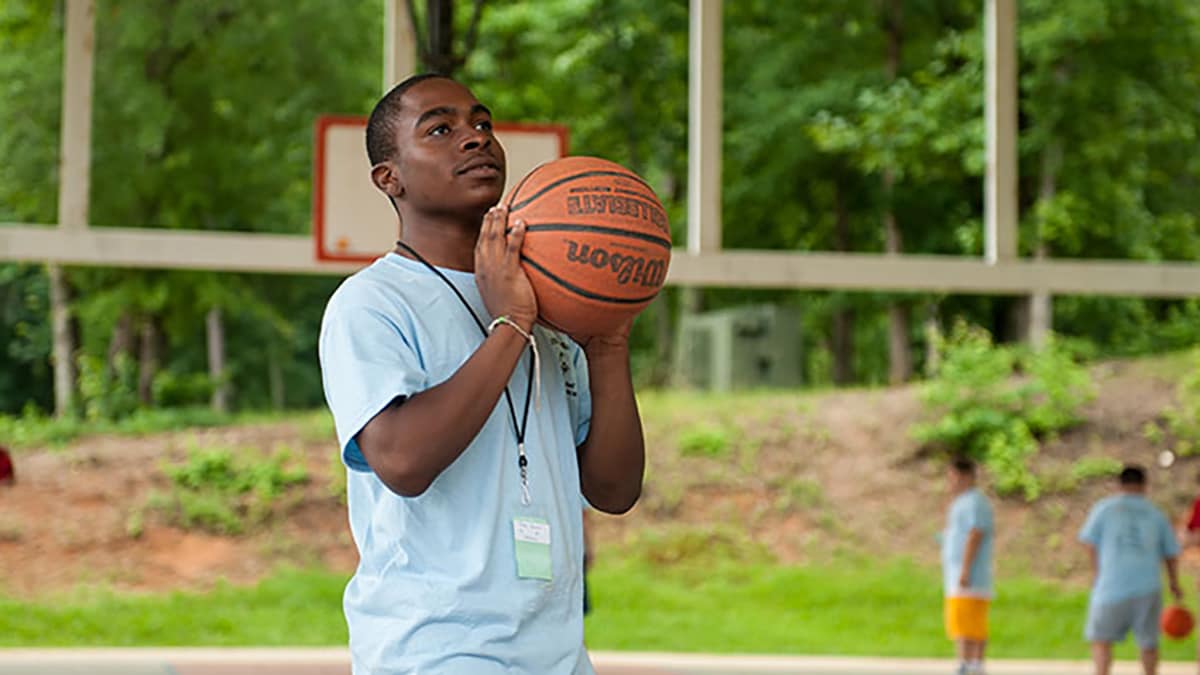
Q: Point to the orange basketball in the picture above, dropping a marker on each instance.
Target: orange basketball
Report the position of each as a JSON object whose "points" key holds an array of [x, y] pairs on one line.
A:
{"points": [[1177, 622], [597, 243]]}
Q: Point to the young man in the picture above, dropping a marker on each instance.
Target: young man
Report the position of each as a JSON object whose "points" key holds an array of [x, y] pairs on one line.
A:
{"points": [[1128, 538], [967, 566], [466, 473]]}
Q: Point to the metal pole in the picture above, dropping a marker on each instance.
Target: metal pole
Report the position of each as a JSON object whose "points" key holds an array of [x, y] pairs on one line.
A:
{"points": [[704, 127], [1000, 183], [399, 43], [75, 137], [74, 167]]}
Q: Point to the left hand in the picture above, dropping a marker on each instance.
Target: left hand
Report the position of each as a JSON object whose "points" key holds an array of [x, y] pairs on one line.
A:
{"points": [[618, 339], [964, 579]]}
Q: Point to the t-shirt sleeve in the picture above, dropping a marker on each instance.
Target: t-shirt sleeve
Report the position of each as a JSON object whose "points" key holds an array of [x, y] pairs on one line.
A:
{"points": [[581, 403], [1090, 534], [1193, 523], [367, 361], [979, 516]]}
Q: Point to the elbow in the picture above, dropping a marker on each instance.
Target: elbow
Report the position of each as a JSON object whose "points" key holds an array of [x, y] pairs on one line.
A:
{"points": [[617, 503], [404, 478], [405, 485]]}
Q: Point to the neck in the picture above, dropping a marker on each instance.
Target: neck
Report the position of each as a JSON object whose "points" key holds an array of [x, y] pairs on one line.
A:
{"points": [[444, 244]]}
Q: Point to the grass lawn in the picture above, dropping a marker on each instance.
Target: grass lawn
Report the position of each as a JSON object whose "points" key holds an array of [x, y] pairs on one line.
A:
{"points": [[290, 608], [855, 608], [858, 608]]}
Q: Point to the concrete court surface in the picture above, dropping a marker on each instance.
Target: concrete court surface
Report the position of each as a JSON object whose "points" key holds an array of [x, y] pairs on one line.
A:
{"points": [[191, 661]]}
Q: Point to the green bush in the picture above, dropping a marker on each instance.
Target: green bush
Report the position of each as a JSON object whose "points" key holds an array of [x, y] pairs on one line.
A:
{"points": [[218, 491], [172, 390], [704, 441], [108, 393], [1089, 468], [993, 402], [34, 429]]}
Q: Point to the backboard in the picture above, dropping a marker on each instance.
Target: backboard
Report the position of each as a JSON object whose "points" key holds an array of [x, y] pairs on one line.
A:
{"points": [[353, 221]]}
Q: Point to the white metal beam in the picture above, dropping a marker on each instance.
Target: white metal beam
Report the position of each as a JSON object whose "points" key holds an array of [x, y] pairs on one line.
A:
{"points": [[284, 253], [938, 274], [1000, 111], [704, 127], [75, 135], [167, 249], [399, 43]]}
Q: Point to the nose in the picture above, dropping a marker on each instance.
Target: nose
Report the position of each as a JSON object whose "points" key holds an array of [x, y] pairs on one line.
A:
{"points": [[475, 139]]}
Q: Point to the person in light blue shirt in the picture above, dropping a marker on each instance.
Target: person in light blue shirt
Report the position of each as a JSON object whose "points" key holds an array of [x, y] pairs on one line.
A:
{"points": [[1128, 539], [967, 566], [473, 438]]}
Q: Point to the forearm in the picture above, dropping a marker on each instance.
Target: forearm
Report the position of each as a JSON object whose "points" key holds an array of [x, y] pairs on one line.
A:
{"points": [[410, 444], [612, 460], [1172, 565]]}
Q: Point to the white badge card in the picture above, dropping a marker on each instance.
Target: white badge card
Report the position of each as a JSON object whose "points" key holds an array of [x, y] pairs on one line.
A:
{"points": [[531, 541]]}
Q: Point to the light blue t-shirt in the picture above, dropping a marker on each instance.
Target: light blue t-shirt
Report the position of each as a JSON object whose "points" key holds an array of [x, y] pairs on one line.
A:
{"points": [[1132, 538], [969, 511], [436, 589]]}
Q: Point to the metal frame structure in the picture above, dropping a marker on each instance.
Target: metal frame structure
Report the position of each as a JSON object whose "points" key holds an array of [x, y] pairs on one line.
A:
{"points": [[701, 263]]}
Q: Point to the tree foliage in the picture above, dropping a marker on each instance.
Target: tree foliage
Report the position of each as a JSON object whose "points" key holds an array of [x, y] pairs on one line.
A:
{"points": [[203, 120]]}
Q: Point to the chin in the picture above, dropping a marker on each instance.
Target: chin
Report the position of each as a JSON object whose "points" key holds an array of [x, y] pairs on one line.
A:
{"points": [[482, 201]]}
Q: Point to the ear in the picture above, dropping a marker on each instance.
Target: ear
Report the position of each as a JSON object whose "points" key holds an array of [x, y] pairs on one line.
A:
{"points": [[386, 178]]}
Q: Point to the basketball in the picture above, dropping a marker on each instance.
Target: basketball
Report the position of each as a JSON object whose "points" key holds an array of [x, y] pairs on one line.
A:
{"points": [[597, 243], [1177, 622]]}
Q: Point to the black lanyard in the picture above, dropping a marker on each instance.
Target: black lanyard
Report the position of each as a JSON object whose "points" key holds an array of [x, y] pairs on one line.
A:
{"points": [[518, 429]]}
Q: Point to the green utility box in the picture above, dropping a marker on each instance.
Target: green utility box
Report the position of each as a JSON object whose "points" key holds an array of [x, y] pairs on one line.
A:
{"points": [[748, 347]]}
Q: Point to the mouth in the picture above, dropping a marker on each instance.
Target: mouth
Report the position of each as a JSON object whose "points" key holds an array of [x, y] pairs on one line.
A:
{"points": [[481, 168]]}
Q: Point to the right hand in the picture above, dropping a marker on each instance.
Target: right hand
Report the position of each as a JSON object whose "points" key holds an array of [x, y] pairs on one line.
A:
{"points": [[505, 289]]}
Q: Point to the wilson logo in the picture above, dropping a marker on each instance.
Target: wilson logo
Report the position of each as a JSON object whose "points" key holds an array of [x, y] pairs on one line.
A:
{"points": [[627, 269]]}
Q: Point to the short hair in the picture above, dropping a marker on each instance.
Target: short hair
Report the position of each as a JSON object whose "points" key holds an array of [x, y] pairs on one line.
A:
{"points": [[1132, 474], [964, 466], [381, 126]]}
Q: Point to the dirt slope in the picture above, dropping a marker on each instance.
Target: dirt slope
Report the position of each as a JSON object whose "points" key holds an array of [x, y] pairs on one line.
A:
{"points": [[805, 476]]}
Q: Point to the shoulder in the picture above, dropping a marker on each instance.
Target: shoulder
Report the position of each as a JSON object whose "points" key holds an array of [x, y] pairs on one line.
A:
{"points": [[383, 287], [1103, 506], [965, 500]]}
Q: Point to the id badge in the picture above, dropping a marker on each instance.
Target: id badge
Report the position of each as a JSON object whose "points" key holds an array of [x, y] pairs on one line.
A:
{"points": [[531, 541]]}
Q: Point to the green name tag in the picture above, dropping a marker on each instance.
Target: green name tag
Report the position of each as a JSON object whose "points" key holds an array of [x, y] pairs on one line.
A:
{"points": [[531, 540]]}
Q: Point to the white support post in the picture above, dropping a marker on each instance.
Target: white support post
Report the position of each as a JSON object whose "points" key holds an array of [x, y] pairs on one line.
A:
{"points": [[75, 138], [1000, 183], [399, 43], [704, 127], [74, 179]]}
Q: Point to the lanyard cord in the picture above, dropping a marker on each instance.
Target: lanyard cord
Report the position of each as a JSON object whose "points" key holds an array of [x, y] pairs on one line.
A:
{"points": [[518, 429]]}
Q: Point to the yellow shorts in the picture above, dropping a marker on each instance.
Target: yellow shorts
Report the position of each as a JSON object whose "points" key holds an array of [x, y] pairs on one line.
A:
{"points": [[966, 618]]}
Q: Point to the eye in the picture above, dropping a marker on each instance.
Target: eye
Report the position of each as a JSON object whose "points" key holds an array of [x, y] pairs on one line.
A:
{"points": [[484, 125], [440, 130]]}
